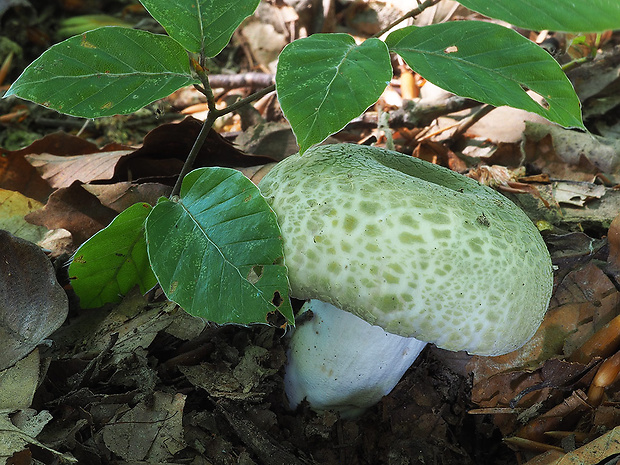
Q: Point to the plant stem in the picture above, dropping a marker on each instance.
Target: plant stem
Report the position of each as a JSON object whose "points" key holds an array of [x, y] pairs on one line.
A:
{"points": [[413, 13], [472, 119], [250, 98], [212, 115], [191, 158]]}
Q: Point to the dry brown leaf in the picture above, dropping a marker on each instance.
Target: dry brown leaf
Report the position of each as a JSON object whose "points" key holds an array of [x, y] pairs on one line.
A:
{"points": [[19, 383], [159, 436], [440, 154], [32, 303], [562, 416], [16, 174], [503, 125], [573, 148], [166, 147], [594, 452], [122, 195], [60, 143], [577, 193], [62, 158], [263, 41], [13, 207], [594, 77], [62, 171], [548, 342], [14, 441], [74, 209]]}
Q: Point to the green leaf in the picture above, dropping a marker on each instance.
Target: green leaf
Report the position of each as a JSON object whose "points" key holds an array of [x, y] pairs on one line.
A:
{"points": [[491, 64], [217, 252], [79, 24], [556, 15], [326, 80], [113, 261], [203, 25], [104, 72]]}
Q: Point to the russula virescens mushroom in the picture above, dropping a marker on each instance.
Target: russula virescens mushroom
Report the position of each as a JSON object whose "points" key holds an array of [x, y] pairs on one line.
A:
{"points": [[411, 247]]}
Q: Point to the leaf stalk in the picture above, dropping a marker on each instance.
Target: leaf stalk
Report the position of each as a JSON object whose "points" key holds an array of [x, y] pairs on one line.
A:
{"points": [[213, 114]]}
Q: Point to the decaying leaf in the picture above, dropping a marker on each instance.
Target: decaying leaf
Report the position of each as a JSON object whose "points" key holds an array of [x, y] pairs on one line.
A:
{"points": [[16, 174], [74, 209], [62, 171], [19, 382], [122, 195], [572, 146], [32, 303], [577, 193], [13, 440], [613, 236], [13, 207], [596, 451], [159, 436]]}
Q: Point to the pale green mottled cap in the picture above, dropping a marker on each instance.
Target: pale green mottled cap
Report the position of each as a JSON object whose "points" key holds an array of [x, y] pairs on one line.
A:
{"points": [[410, 246]]}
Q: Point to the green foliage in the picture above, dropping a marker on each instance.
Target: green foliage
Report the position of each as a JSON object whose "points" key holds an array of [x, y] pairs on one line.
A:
{"points": [[326, 80], [80, 24], [217, 251], [556, 15], [105, 72], [113, 261], [490, 64], [201, 26]]}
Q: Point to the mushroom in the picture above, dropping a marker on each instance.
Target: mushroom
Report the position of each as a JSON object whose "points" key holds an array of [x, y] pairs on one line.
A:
{"points": [[395, 252]]}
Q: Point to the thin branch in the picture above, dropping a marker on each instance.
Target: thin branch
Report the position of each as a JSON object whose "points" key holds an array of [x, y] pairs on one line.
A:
{"points": [[412, 14], [193, 153], [212, 115], [415, 114], [234, 81], [472, 119], [244, 101]]}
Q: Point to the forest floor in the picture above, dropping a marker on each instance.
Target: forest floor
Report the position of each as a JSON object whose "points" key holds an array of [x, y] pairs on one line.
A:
{"points": [[144, 382]]}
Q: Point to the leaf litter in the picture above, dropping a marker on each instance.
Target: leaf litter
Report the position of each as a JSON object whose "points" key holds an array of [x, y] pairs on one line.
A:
{"points": [[143, 381]]}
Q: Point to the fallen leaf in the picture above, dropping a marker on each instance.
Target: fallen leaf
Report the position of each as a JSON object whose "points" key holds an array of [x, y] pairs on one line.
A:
{"points": [[167, 146], [13, 440], [62, 158], [574, 147], [13, 207], [135, 325], [599, 212], [62, 171], [595, 451], [59, 143], [19, 382], [16, 174], [577, 193], [439, 154], [273, 139], [503, 125], [592, 78], [264, 42], [74, 209], [159, 436], [613, 236], [32, 303], [122, 195]]}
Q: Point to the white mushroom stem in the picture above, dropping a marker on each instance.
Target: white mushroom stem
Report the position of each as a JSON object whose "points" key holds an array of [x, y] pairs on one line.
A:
{"points": [[337, 361]]}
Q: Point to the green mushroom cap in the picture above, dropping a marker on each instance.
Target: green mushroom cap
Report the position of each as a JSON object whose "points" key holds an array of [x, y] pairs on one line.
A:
{"points": [[410, 246]]}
